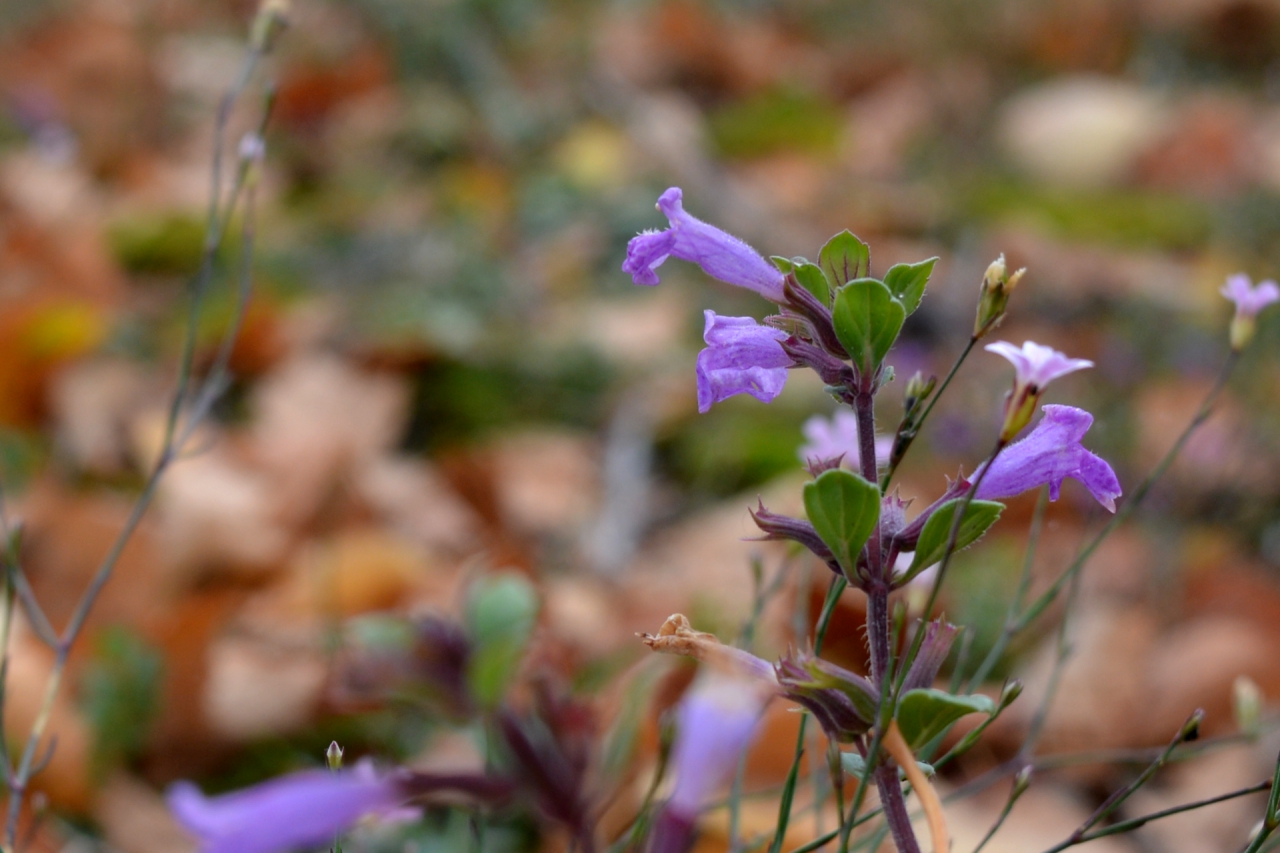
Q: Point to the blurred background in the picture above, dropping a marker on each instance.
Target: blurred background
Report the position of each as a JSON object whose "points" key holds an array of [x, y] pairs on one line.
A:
{"points": [[445, 379]]}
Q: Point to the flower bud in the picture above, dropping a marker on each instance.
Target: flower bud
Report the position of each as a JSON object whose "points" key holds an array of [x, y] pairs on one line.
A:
{"points": [[1246, 702], [993, 298], [843, 702], [918, 390], [333, 756], [272, 17]]}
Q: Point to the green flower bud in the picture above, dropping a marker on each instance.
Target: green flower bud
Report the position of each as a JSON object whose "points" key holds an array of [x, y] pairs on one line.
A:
{"points": [[993, 298]]}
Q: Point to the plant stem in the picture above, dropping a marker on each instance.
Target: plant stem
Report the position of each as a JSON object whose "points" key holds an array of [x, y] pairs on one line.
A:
{"points": [[1139, 494], [893, 467], [837, 587]]}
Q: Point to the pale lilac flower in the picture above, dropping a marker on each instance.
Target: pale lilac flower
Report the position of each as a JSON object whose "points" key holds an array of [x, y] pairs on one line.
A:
{"points": [[1034, 367], [300, 810], [1049, 455], [720, 255], [741, 357], [1249, 301], [830, 438]]}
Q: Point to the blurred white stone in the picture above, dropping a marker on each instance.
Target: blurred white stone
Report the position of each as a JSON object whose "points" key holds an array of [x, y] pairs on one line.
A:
{"points": [[257, 688], [1082, 131]]}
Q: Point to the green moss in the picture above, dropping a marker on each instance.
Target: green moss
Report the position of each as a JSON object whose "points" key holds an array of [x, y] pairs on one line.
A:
{"points": [[166, 245], [1118, 217], [775, 121]]}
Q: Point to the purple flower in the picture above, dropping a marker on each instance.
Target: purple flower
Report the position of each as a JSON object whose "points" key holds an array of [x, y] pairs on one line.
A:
{"points": [[1051, 454], [1249, 301], [717, 720], [1034, 367], [304, 809], [720, 255], [831, 438], [742, 357]]}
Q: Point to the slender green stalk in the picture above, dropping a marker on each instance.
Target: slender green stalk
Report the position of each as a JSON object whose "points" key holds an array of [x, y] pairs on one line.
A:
{"points": [[1272, 818], [837, 587], [1188, 731], [955, 368], [1009, 631], [1139, 495], [1020, 785], [1137, 822], [218, 218]]}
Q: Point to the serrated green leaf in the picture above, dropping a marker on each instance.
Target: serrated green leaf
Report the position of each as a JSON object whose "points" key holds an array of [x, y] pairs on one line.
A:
{"points": [[867, 320], [844, 509], [925, 713], [978, 518], [907, 282], [812, 279], [844, 258]]}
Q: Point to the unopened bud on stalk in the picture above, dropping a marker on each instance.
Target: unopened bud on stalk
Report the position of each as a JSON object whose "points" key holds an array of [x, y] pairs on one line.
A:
{"points": [[1022, 781], [333, 756], [993, 299], [1011, 691], [1246, 701], [918, 390], [272, 17]]}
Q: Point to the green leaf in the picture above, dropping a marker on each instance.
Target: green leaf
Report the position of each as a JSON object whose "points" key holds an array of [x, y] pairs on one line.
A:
{"points": [[844, 509], [855, 765], [907, 282], [812, 279], [867, 320], [845, 258], [500, 619], [933, 539], [926, 713], [783, 264]]}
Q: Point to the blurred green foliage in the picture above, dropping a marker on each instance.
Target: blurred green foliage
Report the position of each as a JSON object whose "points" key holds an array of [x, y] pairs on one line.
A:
{"points": [[1119, 217], [119, 693], [773, 121], [168, 244]]}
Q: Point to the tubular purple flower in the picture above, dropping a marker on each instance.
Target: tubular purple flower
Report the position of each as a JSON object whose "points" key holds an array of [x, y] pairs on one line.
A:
{"points": [[1249, 300], [741, 357], [299, 810], [1034, 366], [1049, 455], [837, 436], [721, 255]]}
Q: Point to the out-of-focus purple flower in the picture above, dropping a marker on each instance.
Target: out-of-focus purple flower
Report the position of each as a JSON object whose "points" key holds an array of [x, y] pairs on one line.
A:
{"points": [[1034, 366], [741, 357], [716, 722], [1249, 301], [304, 809], [831, 438], [721, 255], [1049, 455]]}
